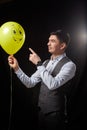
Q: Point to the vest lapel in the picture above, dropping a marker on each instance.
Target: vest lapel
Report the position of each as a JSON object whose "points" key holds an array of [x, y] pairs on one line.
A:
{"points": [[58, 66]]}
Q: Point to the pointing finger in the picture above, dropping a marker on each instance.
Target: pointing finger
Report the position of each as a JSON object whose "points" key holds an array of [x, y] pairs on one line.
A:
{"points": [[32, 51]]}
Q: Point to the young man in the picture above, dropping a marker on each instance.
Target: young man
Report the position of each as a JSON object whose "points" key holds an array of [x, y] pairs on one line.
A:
{"points": [[55, 76]]}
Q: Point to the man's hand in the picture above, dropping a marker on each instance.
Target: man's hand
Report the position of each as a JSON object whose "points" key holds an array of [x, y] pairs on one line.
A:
{"points": [[33, 57], [13, 63]]}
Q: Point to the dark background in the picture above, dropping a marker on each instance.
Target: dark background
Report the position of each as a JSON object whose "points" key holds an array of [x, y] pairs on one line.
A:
{"points": [[39, 18]]}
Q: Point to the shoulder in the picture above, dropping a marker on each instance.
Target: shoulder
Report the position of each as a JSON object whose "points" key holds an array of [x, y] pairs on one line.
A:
{"points": [[70, 65]]}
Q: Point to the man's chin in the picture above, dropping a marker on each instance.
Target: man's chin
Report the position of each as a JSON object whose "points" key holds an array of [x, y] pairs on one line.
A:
{"points": [[50, 51]]}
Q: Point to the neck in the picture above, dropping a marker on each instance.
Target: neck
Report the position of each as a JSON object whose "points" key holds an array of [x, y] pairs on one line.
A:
{"points": [[53, 56]]}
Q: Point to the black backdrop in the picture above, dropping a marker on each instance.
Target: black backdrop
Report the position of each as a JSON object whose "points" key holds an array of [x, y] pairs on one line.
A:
{"points": [[39, 19]]}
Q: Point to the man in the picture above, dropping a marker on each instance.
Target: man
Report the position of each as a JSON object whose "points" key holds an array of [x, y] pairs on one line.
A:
{"points": [[55, 76]]}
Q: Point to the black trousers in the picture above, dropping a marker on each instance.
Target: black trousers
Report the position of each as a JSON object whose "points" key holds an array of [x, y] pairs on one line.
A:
{"points": [[51, 121]]}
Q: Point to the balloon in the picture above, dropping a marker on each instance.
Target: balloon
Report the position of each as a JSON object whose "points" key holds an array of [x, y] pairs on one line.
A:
{"points": [[12, 37]]}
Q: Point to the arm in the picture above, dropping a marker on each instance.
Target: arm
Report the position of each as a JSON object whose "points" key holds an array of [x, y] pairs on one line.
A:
{"points": [[66, 73], [26, 80]]}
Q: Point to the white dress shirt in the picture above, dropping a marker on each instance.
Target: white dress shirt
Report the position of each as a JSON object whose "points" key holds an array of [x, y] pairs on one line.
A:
{"points": [[43, 73]]}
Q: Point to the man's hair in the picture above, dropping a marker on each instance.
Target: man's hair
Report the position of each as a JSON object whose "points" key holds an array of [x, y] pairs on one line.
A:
{"points": [[62, 36]]}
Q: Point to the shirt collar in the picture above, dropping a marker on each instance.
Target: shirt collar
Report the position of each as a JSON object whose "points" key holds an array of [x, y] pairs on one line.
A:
{"points": [[58, 58]]}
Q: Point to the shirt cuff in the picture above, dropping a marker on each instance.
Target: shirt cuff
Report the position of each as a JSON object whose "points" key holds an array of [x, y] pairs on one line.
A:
{"points": [[41, 68], [18, 71]]}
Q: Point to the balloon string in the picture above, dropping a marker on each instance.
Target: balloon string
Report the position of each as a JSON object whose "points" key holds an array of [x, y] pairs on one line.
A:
{"points": [[10, 115]]}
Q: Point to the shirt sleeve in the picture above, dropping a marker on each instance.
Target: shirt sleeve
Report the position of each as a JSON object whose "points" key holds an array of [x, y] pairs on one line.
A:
{"points": [[29, 82], [66, 73]]}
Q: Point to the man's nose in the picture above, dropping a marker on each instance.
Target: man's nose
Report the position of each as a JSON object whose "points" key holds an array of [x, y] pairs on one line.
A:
{"points": [[48, 43]]}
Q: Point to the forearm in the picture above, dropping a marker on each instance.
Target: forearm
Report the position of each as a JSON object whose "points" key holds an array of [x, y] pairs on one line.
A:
{"points": [[26, 80], [61, 78], [48, 79]]}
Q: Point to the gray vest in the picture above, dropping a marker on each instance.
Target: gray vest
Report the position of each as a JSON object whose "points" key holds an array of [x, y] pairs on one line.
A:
{"points": [[54, 100]]}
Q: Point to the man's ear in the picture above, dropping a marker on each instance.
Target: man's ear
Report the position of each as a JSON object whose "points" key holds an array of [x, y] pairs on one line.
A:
{"points": [[63, 46]]}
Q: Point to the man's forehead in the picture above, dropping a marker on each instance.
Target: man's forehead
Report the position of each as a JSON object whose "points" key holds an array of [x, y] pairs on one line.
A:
{"points": [[53, 37]]}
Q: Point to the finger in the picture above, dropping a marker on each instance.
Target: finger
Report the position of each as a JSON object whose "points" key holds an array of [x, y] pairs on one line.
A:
{"points": [[11, 55], [32, 51]]}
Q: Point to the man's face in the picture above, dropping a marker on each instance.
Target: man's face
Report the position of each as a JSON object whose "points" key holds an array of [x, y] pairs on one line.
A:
{"points": [[54, 45]]}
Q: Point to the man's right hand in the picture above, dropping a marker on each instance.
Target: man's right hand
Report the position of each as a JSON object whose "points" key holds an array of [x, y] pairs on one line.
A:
{"points": [[13, 63]]}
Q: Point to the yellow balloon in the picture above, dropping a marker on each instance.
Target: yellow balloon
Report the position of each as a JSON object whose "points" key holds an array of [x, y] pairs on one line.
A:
{"points": [[12, 37]]}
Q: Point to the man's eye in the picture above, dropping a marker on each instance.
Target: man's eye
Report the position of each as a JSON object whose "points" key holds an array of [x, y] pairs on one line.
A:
{"points": [[52, 40]]}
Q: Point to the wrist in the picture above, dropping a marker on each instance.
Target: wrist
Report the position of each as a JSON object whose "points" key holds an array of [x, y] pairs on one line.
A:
{"points": [[39, 63], [16, 68]]}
